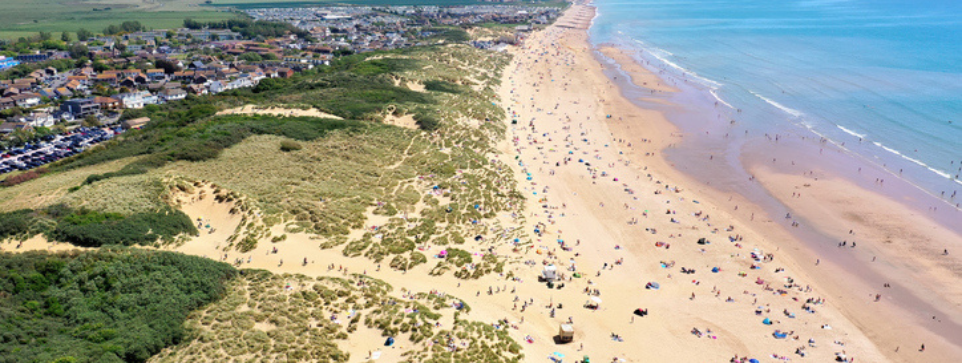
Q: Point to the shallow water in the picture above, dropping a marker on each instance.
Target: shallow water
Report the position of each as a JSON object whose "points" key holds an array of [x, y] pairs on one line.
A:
{"points": [[882, 78]]}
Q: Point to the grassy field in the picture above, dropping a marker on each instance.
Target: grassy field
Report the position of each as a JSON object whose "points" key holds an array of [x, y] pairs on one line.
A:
{"points": [[250, 4], [27, 18]]}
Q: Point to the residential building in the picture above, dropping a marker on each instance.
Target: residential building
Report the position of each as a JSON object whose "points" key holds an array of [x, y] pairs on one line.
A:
{"points": [[7, 62], [107, 103], [81, 107], [173, 94], [132, 99], [27, 100]]}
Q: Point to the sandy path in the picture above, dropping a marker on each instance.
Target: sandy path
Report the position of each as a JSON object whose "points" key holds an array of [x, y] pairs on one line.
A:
{"points": [[277, 111]]}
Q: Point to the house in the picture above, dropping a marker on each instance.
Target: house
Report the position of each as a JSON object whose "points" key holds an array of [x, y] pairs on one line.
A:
{"points": [[40, 119], [27, 100], [107, 103], [285, 72], [156, 74], [10, 127], [7, 102], [81, 107], [132, 99], [109, 79], [135, 123], [173, 94], [8, 62], [217, 87], [197, 89], [32, 58], [63, 92]]}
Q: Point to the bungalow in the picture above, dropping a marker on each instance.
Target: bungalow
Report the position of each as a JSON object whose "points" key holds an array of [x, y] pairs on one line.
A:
{"points": [[110, 79], [184, 75], [107, 103], [10, 127], [7, 102], [48, 93], [197, 89], [75, 86], [135, 123], [40, 119], [217, 87], [27, 100], [63, 92], [156, 74], [173, 94]]}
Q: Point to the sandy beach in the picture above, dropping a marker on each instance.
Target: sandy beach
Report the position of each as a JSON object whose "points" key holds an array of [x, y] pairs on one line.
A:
{"points": [[628, 232]]}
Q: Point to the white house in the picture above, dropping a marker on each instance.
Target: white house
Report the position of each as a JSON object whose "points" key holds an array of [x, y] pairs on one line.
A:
{"points": [[217, 87], [38, 119], [133, 99], [173, 94]]}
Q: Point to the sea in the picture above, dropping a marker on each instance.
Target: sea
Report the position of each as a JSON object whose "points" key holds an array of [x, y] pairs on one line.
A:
{"points": [[879, 79]]}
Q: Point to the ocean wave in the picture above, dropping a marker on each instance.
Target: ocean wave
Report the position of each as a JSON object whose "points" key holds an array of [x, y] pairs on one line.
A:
{"points": [[790, 111], [915, 161], [662, 56], [717, 97], [850, 132]]}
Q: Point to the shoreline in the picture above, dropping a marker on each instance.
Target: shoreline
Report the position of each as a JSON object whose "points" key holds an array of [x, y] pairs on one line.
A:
{"points": [[905, 305]]}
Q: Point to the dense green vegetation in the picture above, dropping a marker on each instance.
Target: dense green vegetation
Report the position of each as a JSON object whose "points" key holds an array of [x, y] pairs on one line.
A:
{"points": [[101, 306], [88, 228], [250, 28]]}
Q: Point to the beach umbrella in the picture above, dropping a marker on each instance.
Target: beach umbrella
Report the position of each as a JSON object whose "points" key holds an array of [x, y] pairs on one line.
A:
{"points": [[753, 360]]}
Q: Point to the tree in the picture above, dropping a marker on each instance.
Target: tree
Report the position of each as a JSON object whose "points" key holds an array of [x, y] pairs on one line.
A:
{"points": [[169, 67], [45, 35], [22, 136], [251, 57], [83, 35], [78, 50], [91, 121], [65, 36]]}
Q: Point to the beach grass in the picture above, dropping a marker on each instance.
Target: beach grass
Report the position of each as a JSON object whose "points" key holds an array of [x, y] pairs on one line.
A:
{"points": [[268, 317]]}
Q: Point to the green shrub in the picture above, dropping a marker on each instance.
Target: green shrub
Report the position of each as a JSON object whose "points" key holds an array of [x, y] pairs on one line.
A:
{"points": [[101, 306], [93, 229], [290, 146]]}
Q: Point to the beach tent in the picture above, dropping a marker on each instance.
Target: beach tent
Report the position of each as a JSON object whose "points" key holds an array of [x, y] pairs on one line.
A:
{"points": [[596, 300], [389, 342], [703, 241], [376, 355], [550, 272], [652, 285], [779, 334], [767, 321], [641, 312]]}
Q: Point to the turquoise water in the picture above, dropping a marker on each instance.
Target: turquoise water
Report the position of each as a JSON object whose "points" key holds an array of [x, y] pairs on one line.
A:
{"points": [[881, 78]]}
